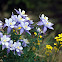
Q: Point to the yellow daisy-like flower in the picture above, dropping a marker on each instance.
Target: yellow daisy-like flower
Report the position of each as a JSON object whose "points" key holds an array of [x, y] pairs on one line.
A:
{"points": [[60, 35], [49, 47]]}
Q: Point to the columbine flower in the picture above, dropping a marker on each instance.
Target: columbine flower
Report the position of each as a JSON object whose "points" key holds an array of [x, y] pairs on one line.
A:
{"points": [[39, 30], [14, 17], [22, 13], [46, 24], [27, 19], [18, 47], [4, 41], [24, 26], [1, 24], [20, 19], [26, 41], [10, 23], [11, 46], [1, 34]]}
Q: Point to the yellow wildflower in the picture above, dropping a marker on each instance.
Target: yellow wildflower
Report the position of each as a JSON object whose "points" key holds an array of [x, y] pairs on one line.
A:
{"points": [[40, 36], [38, 43], [60, 42], [61, 45], [34, 47], [13, 30], [57, 39], [49, 47], [60, 35], [38, 40], [56, 48], [55, 44], [35, 33]]}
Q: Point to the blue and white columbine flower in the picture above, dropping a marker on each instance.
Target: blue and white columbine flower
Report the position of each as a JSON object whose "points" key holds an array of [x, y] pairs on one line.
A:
{"points": [[11, 45], [22, 13], [26, 41], [46, 24], [10, 24], [26, 26], [39, 30], [20, 19], [4, 41], [18, 48], [1, 23]]}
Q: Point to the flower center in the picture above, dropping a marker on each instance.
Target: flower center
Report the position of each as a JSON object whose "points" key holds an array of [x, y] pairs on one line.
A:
{"points": [[10, 23], [11, 45], [20, 18], [28, 18], [5, 40], [25, 26], [23, 12], [45, 18], [18, 47], [19, 28], [46, 23]]}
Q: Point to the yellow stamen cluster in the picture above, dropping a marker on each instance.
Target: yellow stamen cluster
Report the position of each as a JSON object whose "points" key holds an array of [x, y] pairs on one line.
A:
{"points": [[5, 40], [46, 23], [45, 18], [20, 18], [10, 23], [18, 47], [23, 12], [25, 26], [19, 27], [28, 18]]}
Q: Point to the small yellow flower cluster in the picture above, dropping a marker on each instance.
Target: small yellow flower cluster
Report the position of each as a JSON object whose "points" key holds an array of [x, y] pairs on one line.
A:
{"points": [[49, 47], [48, 50], [58, 44], [35, 33], [38, 41], [20, 37], [56, 49], [34, 48], [39, 37], [59, 37], [13, 30]]}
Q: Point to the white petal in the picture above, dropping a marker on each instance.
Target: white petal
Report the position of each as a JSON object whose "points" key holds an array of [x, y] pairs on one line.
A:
{"points": [[17, 50], [21, 48]]}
